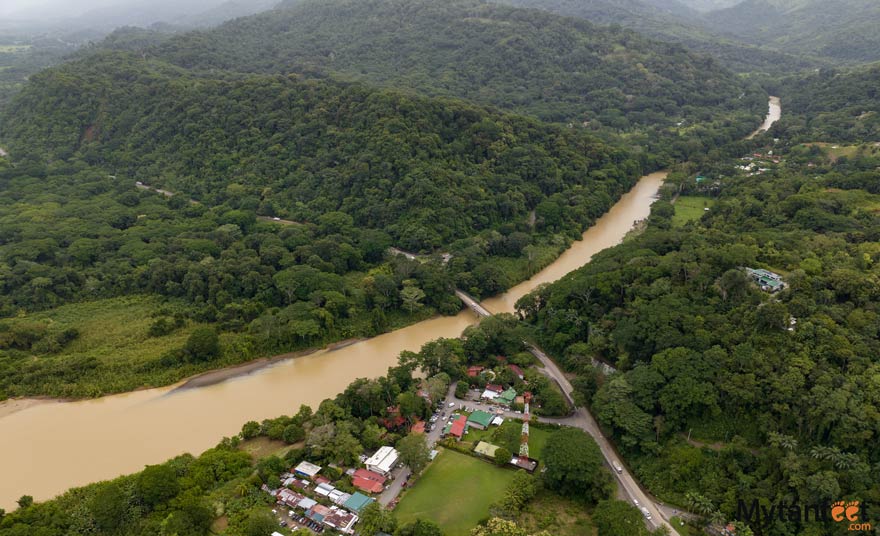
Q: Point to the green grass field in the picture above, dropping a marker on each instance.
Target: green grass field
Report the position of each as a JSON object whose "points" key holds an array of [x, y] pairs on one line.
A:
{"points": [[455, 492], [690, 208]]}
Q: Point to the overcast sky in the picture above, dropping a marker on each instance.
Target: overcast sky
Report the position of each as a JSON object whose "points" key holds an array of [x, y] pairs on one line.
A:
{"points": [[62, 9], [49, 8]]}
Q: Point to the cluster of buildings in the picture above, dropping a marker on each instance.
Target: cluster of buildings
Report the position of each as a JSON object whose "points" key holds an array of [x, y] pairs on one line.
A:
{"points": [[768, 281], [305, 490]]}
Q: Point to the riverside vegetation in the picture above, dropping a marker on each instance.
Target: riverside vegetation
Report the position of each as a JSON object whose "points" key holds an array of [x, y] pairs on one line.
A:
{"points": [[358, 168]]}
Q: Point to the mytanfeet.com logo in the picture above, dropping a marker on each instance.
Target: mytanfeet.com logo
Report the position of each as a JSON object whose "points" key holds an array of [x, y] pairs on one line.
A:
{"points": [[853, 513]]}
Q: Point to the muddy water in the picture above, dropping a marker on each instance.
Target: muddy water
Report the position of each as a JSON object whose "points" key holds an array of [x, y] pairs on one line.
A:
{"points": [[49, 447], [774, 113]]}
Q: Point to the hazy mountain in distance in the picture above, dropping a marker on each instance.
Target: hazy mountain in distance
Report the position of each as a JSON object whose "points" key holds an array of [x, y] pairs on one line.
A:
{"points": [[841, 29], [669, 20], [555, 68], [709, 5]]}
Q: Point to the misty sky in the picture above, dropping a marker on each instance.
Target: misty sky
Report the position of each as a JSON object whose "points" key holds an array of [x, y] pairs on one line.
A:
{"points": [[50, 8], [63, 9]]}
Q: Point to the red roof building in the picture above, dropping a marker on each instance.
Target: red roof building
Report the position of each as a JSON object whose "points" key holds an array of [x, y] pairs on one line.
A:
{"points": [[516, 370], [368, 481], [458, 426], [322, 480], [474, 371], [394, 420], [495, 388]]}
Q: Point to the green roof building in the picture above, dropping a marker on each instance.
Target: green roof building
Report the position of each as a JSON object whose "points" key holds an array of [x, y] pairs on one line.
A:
{"points": [[357, 502], [507, 397], [479, 420]]}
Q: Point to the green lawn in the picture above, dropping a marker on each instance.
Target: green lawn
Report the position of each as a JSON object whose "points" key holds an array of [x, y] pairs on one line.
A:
{"points": [[690, 208], [556, 515], [455, 492]]}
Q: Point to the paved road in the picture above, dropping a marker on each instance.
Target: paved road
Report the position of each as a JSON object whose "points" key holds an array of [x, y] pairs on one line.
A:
{"points": [[584, 420], [399, 476]]}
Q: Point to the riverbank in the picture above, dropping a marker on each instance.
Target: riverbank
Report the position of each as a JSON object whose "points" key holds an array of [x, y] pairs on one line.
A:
{"points": [[213, 377]]}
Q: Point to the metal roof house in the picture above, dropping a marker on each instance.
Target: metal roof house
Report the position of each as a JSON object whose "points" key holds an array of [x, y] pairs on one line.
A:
{"points": [[479, 420], [357, 502], [383, 460], [307, 469]]}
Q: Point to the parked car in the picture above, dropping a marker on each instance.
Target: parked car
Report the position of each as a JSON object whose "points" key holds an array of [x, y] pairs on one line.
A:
{"points": [[452, 404]]}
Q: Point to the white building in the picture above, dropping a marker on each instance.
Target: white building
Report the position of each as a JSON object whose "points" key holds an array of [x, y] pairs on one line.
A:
{"points": [[383, 461], [306, 469]]}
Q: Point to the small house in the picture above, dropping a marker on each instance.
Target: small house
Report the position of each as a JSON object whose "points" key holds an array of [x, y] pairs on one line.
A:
{"points": [[307, 470], [474, 371], [341, 520], [459, 427], [507, 397]]}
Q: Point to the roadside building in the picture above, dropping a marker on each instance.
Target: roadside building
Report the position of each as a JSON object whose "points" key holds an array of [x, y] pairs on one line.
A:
{"points": [[507, 397], [498, 420], [459, 427], [383, 460], [337, 496], [368, 481], [479, 420], [307, 470]]}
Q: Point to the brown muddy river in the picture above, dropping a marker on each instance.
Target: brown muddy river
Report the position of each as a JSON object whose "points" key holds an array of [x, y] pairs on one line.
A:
{"points": [[49, 447]]}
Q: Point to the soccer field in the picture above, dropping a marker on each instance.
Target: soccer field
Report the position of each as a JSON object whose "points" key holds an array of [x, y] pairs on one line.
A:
{"points": [[455, 492]]}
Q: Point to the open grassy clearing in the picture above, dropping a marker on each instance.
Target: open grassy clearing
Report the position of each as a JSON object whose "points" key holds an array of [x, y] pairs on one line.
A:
{"points": [[690, 208], [556, 515], [454, 492], [115, 331]]}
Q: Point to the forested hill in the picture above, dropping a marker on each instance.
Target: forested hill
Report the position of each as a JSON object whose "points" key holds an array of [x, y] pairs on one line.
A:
{"points": [[427, 171], [554, 68], [841, 29], [832, 105], [667, 22]]}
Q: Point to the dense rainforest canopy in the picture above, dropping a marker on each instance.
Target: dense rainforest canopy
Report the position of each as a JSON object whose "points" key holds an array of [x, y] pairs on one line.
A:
{"points": [[351, 171], [558, 69], [832, 105], [726, 391]]}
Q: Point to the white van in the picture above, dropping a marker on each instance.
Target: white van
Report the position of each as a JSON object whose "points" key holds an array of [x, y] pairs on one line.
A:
{"points": [[617, 467], [645, 512]]}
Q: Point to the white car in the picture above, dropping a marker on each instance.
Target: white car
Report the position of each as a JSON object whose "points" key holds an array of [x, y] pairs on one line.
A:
{"points": [[452, 404], [617, 467], [636, 502], [645, 512]]}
